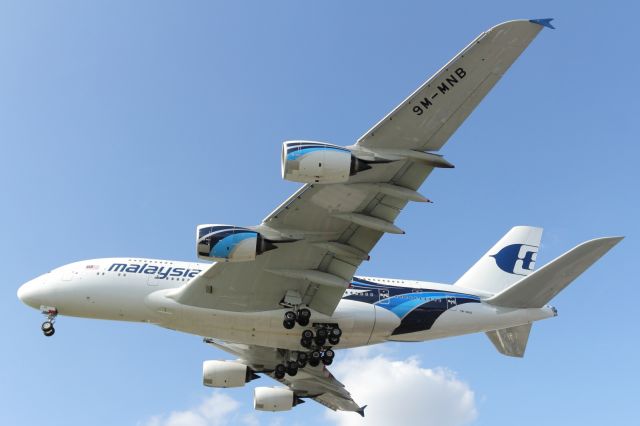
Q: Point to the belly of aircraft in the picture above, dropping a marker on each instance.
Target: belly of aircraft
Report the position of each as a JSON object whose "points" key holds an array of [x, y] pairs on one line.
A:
{"points": [[361, 323]]}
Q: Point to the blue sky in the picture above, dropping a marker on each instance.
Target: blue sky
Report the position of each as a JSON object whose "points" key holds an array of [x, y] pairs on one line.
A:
{"points": [[123, 125]]}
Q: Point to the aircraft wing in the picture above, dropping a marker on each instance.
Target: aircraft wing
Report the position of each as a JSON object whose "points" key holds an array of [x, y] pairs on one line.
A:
{"points": [[426, 119], [328, 230], [316, 383]]}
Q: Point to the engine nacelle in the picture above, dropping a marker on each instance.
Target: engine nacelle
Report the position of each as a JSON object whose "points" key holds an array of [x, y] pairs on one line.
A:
{"points": [[226, 243], [274, 399], [226, 374], [318, 162]]}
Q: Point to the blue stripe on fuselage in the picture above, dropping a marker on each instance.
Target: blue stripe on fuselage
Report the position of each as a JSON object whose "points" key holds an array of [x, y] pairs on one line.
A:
{"points": [[402, 304], [401, 300]]}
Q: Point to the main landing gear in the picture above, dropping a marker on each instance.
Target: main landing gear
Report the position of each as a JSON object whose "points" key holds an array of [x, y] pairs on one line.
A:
{"points": [[47, 326], [317, 341], [326, 335], [299, 360], [301, 316]]}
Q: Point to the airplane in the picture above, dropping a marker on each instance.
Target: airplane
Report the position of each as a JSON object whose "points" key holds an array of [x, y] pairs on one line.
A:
{"points": [[282, 296]]}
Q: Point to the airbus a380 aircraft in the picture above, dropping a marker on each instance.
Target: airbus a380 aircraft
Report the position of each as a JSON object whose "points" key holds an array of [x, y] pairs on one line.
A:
{"points": [[282, 296]]}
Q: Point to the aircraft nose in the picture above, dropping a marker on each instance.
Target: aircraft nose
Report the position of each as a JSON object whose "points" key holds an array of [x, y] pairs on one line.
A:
{"points": [[30, 293]]}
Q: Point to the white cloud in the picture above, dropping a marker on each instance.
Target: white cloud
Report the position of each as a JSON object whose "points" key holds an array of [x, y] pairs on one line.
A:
{"points": [[396, 391], [216, 410], [402, 392]]}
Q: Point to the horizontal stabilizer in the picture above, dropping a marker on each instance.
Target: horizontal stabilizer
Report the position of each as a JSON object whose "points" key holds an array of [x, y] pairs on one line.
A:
{"points": [[511, 341], [537, 289]]}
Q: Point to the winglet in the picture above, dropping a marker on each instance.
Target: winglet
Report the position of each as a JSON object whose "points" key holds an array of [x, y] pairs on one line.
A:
{"points": [[361, 410], [545, 22]]}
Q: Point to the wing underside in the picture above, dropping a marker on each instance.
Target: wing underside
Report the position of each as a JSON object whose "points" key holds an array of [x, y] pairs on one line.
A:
{"points": [[323, 232], [316, 383]]}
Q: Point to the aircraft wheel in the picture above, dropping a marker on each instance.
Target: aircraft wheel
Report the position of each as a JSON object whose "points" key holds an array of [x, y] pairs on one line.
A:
{"points": [[322, 332], [336, 332], [288, 324], [303, 358], [314, 358], [303, 316], [306, 343], [327, 357], [307, 334], [320, 341], [292, 368], [333, 340], [47, 328], [279, 371], [290, 315]]}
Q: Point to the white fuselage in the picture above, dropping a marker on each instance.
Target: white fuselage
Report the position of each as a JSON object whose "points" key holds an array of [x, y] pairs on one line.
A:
{"points": [[90, 289]]}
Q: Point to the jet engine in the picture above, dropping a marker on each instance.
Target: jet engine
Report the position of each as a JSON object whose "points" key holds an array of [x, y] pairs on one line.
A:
{"points": [[226, 374], [226, 243], [318, 162], [274, 399]]}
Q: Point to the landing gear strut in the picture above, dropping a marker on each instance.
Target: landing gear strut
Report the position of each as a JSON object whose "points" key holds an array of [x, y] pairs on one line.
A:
{"points": [[47, 326]]}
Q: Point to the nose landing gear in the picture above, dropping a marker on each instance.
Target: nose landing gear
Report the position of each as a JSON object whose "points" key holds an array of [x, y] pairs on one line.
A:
{"points": [[47, 326]]}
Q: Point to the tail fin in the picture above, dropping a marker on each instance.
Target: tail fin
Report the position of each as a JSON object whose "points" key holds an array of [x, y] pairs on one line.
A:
{"points": [[511, 341], [540, 287], [508, 261]]}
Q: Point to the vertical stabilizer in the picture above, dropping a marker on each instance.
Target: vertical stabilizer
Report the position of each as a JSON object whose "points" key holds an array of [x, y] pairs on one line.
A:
{"points": [[508, 261]]}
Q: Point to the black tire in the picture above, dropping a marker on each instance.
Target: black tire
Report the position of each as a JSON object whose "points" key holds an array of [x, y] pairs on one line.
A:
{"points": [[306, 343], [307, 334], [327, 361], [292, 368], [329, 353], [303, 357], [320, 341], [46, 326], [322, 332], [288, 324], [302, 364], [303, 321], [333, 340], [314, 362], [314, 355], [337, 332], [50, 333], [304, 313], [279, 371], [290, 315]]}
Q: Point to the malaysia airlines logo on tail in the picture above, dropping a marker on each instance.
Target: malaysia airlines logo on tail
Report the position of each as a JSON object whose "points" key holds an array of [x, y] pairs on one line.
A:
{"points": [[518, 259]]}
